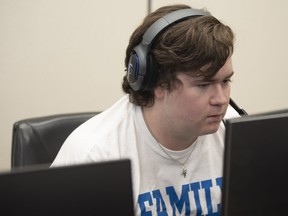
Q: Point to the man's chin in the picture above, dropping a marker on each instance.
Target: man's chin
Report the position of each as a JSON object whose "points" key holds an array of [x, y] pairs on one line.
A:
{"points": [[212, 128]]}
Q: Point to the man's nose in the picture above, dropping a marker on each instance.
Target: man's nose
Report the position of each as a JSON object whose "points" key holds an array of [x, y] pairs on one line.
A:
{"points": [[220, 94]]}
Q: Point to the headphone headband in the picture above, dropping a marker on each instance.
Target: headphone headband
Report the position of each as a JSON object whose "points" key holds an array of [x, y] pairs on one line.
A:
{"points": [[168, 20], [142, 71]]}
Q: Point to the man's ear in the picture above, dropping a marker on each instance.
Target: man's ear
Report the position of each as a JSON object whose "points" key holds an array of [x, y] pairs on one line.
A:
{"points": [[159, 91]]}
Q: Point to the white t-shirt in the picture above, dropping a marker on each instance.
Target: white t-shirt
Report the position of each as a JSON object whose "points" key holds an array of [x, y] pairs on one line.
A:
{"points": [[159, 188]]}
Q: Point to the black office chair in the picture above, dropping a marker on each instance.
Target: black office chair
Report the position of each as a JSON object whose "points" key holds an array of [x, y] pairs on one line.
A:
{"points": [[36, 141]]}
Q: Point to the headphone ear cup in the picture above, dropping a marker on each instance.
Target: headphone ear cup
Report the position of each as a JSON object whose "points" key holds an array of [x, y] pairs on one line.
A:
{"points": [[137, 67], [142, 80], [152, 72], [142, 71], [136, 71], [133, 68]]}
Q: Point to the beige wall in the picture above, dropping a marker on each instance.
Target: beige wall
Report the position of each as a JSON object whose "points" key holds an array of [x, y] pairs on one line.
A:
{"points": [[63, 56]]}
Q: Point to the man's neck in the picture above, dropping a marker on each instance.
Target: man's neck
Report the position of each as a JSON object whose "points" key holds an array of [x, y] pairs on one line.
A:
{"points": [[162, 133]]}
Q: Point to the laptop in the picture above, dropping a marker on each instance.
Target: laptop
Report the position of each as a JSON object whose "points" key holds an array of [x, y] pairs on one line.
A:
{"points": [[255, 180], [103, 188]]}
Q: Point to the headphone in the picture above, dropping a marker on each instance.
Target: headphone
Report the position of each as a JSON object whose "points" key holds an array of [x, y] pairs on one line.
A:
{"points": [[142, 71]]}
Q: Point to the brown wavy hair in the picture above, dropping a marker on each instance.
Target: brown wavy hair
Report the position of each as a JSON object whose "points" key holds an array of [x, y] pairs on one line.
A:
{"points": [[198, 46]]}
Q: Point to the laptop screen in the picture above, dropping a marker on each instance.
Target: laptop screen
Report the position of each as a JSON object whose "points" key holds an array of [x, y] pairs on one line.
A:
{"points": [[103, 188], [255, 180]]}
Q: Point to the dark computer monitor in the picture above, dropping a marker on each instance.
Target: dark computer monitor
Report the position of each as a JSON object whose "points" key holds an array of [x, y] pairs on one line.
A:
{"points": [[255, 180], [103, 188]]}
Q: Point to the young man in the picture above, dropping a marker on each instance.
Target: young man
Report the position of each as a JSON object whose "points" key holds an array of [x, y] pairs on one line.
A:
{"points": [[169, 123]]}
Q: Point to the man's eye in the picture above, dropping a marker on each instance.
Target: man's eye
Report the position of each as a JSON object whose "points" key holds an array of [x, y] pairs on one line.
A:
{"points": [[227, 80], [203, 85]]}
